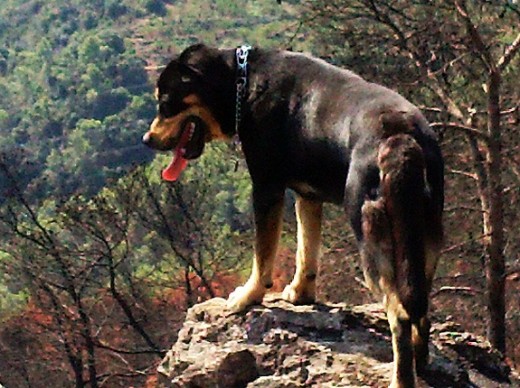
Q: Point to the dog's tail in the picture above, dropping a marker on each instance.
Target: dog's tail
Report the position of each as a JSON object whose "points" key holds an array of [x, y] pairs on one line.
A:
{"points": [[403, 192]]}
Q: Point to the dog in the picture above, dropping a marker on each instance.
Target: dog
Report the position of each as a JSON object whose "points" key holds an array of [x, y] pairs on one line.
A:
{"points": [[330, 136]]}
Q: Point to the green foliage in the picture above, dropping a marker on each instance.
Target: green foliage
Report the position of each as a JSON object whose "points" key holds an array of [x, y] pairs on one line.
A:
{"points": [[74, 73], [11, 301], [156, 7], [70, 63], [13, 295]]}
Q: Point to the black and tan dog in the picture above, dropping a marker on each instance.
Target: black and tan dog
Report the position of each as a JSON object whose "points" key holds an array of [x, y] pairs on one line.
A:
{"points": [[330, 136]]}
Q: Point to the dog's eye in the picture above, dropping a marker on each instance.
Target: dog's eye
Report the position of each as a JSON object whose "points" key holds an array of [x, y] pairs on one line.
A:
{"points": [[171, 108], [165, 110]]}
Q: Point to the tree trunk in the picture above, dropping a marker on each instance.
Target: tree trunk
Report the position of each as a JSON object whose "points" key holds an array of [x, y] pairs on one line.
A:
{"points": [[494, 222], [187, 286], [127, 310], [89, 344]]}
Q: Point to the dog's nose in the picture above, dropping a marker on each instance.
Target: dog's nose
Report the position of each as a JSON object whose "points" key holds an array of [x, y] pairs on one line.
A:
{"points": [[147, 138]]}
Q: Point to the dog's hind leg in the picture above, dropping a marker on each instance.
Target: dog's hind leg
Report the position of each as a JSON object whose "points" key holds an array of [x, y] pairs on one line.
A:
{"points": [[303, 287], [433, 244], [420, 339], [268, 212], [421, 329], [378, 262], [392, 233], [401, 327]]}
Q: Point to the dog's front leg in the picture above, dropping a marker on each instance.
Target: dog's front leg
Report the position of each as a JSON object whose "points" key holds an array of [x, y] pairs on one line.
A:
{"points": [[303, 287], [268, 211]]}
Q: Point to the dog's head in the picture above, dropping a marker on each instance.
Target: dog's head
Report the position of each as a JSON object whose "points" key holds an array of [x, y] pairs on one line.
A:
{"points": [[192, 110]]}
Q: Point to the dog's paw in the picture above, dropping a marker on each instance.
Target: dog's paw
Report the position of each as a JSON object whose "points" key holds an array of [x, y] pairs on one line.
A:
{"points": [[246, 295], [300, 293]]}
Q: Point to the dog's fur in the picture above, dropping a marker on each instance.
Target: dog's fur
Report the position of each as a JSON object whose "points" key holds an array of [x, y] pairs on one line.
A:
{"points": [[330, 136]]}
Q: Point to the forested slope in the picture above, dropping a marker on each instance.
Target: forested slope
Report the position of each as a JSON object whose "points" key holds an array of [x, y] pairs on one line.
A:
{"points": [[75, 91]]}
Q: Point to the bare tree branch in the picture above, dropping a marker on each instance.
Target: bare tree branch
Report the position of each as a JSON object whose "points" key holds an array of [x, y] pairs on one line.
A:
{"points": [[509, 54], [475, 36], [456, 290], [464, 173], [102, 345], [466, 128]]}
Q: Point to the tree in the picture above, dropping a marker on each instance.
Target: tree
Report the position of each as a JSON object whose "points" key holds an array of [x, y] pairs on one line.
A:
{"points": [[104, 273], [66, 255], [185, 228], [34, 246], [458, 60]]}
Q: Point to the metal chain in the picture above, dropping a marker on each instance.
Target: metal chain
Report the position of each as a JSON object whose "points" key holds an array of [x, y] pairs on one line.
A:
{"points": [[242, 53]]}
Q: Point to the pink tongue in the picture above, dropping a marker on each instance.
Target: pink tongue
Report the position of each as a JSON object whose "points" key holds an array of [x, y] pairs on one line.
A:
{"points": [[178, 163], [174, 169]]}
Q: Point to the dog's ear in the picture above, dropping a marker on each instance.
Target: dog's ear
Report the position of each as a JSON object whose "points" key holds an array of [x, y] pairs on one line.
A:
{"points": [[186, 78], [189, 72], [177, 73], [197, 54], [201, 61]]}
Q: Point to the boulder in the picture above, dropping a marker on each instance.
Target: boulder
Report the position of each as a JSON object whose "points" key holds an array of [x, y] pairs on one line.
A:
{"points": [[278, 344]]}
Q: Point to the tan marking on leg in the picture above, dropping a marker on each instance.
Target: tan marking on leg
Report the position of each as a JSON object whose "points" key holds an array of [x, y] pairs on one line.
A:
{"points": [[403, 375], [303, 287], [420, 339], [268, 231], [421, 330]]}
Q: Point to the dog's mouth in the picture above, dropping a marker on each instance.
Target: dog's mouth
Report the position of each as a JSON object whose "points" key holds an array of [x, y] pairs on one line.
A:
{"points": [[190, 146]]}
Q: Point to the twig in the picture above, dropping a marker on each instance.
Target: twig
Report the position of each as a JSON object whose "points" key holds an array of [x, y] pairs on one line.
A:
{"points": [[464, 173], [456, 246], [510, 52], [476, 37], [469, 208], [457, 290], [467, 129], [512, 271], [124, 351]]}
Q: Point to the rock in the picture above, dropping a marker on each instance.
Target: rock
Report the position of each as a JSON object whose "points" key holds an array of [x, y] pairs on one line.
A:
{"points": [[285, 346]]}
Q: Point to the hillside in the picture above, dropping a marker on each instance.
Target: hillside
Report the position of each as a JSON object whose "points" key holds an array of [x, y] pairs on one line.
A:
{"points": [[76, 78]]}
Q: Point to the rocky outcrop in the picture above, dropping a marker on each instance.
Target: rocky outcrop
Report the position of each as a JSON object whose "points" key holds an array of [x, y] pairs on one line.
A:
{"points": [[281, 345]]}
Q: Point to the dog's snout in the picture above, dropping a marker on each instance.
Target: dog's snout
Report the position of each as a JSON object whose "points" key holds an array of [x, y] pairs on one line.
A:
{"points": [[147, 138], [151, 140]]}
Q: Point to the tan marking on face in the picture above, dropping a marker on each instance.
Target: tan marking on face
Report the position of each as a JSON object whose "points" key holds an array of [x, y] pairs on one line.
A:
{"points": [[156, 94], [192, 99], [162, 129]]}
